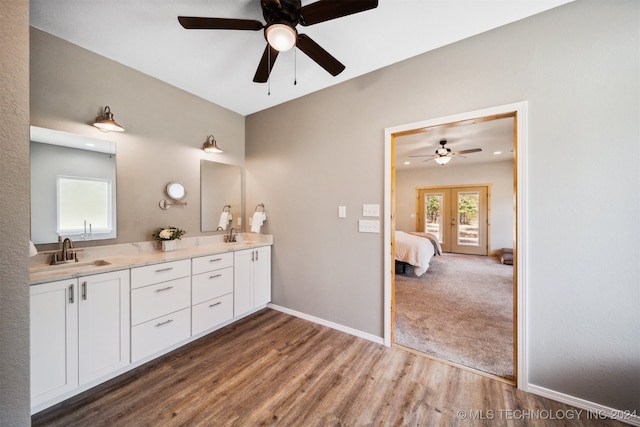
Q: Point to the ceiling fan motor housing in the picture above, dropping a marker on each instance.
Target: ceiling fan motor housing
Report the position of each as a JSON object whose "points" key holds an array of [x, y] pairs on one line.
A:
{"points": [[281, 12]]}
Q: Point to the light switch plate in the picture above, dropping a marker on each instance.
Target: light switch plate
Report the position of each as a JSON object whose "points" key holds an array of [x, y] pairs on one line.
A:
{"points": [[342, 211], [371, 210], [369, 226]]}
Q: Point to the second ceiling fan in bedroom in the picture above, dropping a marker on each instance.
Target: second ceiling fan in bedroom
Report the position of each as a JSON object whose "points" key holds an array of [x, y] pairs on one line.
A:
{"points": [[444, 154], [282, 17]]}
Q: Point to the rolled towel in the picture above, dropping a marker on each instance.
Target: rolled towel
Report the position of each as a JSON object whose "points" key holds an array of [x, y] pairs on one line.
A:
{"points": [[32, 249]]}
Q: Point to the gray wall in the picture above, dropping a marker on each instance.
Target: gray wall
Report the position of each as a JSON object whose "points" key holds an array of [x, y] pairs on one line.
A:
{"points": [[578, 67], [14, 213], [165, 130], [498, 174]]}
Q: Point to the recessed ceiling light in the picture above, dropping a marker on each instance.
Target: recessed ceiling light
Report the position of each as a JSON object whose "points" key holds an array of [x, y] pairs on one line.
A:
{"points": [[497, 152], [407, 163]]}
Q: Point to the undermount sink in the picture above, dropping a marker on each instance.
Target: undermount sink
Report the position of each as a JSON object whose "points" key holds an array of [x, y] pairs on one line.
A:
{"points": [[68, 266]]}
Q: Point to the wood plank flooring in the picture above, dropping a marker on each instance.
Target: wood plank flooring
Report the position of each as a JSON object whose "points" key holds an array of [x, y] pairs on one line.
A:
{"points": [[274, 369]]}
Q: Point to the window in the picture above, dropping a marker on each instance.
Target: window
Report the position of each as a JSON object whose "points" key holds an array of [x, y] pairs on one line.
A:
{"points": [[84, 206]]}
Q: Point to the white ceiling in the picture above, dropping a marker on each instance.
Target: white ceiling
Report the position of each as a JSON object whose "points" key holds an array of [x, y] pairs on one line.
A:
{"points": [[218, 65], [495, 138]]}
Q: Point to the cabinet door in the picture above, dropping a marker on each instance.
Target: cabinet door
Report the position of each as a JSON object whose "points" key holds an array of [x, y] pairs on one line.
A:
{"points": [[243, 282], [103, 327], [54, 342], [262, 276]]}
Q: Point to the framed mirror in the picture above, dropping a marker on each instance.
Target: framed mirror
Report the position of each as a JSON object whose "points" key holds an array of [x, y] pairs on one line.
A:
{"points": [[220, 196], [73, 186]]}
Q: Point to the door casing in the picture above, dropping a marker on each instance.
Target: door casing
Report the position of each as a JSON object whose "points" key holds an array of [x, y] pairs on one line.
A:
{"points": [[518, 111]]}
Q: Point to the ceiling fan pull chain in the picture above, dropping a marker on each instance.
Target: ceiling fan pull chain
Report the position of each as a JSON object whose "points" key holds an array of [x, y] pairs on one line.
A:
{"points": [[269, 75], [295, 66]]}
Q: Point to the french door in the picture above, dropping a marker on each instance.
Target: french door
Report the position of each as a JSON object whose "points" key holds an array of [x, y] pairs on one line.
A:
{"points": [[457, 215]]}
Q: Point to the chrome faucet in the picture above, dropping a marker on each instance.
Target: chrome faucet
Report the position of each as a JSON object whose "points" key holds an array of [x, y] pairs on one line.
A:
{"points": [[66, 253]]}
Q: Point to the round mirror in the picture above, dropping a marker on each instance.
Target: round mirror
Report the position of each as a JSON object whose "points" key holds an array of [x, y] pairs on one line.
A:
{"points": [[176, 191]]}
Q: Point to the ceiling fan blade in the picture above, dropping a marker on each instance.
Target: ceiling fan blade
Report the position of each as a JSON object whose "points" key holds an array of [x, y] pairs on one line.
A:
{"points": [[325, 10], [319, 55], [473, 150], [266, 65], [195, 23], [422, 155]]}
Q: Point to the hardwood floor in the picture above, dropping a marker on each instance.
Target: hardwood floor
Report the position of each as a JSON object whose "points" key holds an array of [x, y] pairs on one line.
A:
{"points": [[274, 369]]}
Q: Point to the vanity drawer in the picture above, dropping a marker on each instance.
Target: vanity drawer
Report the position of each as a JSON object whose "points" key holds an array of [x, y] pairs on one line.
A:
{"points": [[156, 273], [157, 300], [212, 262], [210, 285], [161, 333], [210, 313]]}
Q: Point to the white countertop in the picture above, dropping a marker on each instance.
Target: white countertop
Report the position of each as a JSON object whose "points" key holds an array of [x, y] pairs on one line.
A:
{"points": [[130, 255]]}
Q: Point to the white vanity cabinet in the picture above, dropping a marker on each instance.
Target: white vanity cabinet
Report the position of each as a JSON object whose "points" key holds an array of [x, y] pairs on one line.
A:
{"points": [[160, 307], [252, 279], [79, 332], [211, 291], [103, 326], [54, 339]]}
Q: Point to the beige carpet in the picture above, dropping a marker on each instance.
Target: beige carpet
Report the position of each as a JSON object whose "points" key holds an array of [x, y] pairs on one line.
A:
{"points": [[460, 310]]}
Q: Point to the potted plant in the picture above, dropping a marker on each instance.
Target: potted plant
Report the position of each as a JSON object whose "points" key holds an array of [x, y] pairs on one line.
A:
{"points": [[168, 236]]}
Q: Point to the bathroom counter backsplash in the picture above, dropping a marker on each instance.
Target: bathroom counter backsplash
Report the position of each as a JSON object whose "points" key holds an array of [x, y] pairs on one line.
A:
{"points": [[137, 254]]}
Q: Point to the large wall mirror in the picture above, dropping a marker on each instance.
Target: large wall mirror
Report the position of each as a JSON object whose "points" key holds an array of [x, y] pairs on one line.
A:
{"points": [[73, 186], [221, 196]]}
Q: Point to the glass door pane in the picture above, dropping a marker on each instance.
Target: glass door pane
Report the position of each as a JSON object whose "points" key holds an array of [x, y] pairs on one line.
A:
{"points": [[468, 209], [433, 209]]}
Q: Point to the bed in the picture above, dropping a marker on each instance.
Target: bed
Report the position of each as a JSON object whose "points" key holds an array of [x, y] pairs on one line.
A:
{"points": [[416, 249]]}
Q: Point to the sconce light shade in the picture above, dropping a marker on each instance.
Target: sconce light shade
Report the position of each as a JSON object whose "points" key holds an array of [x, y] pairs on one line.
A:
{"points": [[281, 37], [211, 146], [106, 122], [442, 160]]}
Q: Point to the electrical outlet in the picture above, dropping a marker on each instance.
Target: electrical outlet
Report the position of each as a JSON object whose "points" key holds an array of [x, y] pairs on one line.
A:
{"points": [[369, 226], [370, 210]]}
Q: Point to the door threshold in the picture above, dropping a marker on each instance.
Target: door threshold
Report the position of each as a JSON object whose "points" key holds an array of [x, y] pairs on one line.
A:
{"points": [[457, 365]]}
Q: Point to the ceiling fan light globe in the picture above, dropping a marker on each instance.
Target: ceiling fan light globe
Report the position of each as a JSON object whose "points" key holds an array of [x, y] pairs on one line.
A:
{"points": [[281, 37], [442, 160]]}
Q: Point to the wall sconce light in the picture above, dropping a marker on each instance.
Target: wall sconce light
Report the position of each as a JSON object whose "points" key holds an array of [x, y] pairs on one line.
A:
{"points": [[106, 123], [211, 146]]}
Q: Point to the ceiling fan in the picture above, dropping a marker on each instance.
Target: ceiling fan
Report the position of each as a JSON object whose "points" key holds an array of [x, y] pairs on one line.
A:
{"points": [[444, 154], [282, 17]]}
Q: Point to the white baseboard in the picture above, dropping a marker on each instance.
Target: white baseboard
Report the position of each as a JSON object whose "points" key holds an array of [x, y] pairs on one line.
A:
{"points": [[592, 411], [332, 325]]}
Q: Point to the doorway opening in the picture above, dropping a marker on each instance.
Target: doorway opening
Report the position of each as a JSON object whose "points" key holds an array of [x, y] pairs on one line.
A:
{"points": [[469, 235]]}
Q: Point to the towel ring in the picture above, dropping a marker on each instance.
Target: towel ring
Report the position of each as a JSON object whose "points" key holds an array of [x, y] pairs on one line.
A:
{"points": [[260, 205], [227, 208]]}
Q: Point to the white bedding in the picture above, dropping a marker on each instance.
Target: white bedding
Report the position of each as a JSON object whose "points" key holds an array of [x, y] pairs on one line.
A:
{"points": [[414, 250]]}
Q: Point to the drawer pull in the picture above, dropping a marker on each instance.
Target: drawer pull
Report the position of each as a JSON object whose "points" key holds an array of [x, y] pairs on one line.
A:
{"points": [[164, 289], [215, 260], [165, 322], [161, 270], [215, 276], [71, 292], [214, 304], [84, 291]]}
